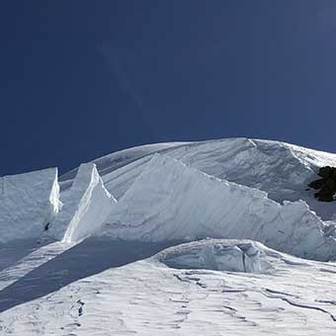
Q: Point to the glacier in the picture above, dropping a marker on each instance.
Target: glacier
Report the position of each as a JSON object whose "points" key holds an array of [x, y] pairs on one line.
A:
{"points": [[171, 201], [184, 238]]}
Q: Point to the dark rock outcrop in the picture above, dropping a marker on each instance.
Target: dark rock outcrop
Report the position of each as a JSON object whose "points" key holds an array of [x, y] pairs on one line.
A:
{"points": [[326, 184]]}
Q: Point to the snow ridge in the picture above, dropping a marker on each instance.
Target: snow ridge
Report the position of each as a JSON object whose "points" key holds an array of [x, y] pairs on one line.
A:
{"points": [[280, 169], [86, 205], [171, 201]]}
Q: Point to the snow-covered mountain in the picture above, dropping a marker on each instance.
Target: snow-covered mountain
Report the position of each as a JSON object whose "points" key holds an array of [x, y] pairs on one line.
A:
{"points": [[220, 237]]}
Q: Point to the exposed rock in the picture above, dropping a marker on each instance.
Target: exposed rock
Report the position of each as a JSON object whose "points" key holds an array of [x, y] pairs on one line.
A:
{"points": [[326, 185], [317, 184], [327, 172]]}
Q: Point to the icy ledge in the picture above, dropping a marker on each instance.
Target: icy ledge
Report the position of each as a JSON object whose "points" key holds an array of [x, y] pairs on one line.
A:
{"points": [[28, 202], [171, 201], [86, 206], [224, 255]]}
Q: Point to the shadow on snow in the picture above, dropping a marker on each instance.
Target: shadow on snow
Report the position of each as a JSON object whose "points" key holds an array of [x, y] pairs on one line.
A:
{"points": [[90, 257]]}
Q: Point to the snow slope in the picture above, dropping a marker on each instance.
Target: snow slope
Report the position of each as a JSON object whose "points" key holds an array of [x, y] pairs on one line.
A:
{"points": [[148, 298], [28, 202], [171, 201], [280, 169]]}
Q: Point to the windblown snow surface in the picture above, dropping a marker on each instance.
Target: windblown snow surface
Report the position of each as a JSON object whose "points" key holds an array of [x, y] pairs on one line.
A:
{"points": [[206, 238]]}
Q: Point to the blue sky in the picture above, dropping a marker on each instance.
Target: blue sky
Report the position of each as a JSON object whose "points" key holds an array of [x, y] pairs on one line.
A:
{"points": [[82, 78]]}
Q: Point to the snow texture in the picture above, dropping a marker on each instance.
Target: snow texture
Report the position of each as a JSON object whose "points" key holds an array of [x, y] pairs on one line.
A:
{"points": [[171, 201], [85, 206], [296, 297], [28, 202]]}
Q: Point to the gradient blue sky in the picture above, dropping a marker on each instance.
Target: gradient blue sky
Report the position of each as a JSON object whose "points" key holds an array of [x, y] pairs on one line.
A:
{"points": [[82, 78]]}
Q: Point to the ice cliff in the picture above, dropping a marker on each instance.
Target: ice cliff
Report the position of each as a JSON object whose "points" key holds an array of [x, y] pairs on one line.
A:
{"points": [[171, 201], [28, 202]]}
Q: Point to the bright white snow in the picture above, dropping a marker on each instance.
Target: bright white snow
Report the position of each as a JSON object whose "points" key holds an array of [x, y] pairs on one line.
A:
{"points": [[86, 205], [282, 170], [148, 298], [171, 201]]}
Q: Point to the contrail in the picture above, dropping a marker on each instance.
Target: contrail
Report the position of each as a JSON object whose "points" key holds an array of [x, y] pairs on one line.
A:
{"points": [[116, 67]]}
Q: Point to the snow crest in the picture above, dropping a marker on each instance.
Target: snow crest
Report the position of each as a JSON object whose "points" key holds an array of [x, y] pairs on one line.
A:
{"points": [[85, 206], [280, 169], [171, 201]]}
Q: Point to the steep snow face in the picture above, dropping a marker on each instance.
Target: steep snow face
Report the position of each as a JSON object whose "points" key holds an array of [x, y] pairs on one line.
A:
{"points": [[269, 166], [86, 205], [171, 201], [282, 170], [28, 202], [219, 255]]}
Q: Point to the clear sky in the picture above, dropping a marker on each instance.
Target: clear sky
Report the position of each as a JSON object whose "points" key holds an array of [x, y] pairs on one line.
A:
{"points": [[83, 78]]}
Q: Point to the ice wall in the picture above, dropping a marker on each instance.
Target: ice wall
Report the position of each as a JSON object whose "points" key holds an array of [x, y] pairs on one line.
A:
{"points": [[171, 201], [85, 206], [28, 202]]}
